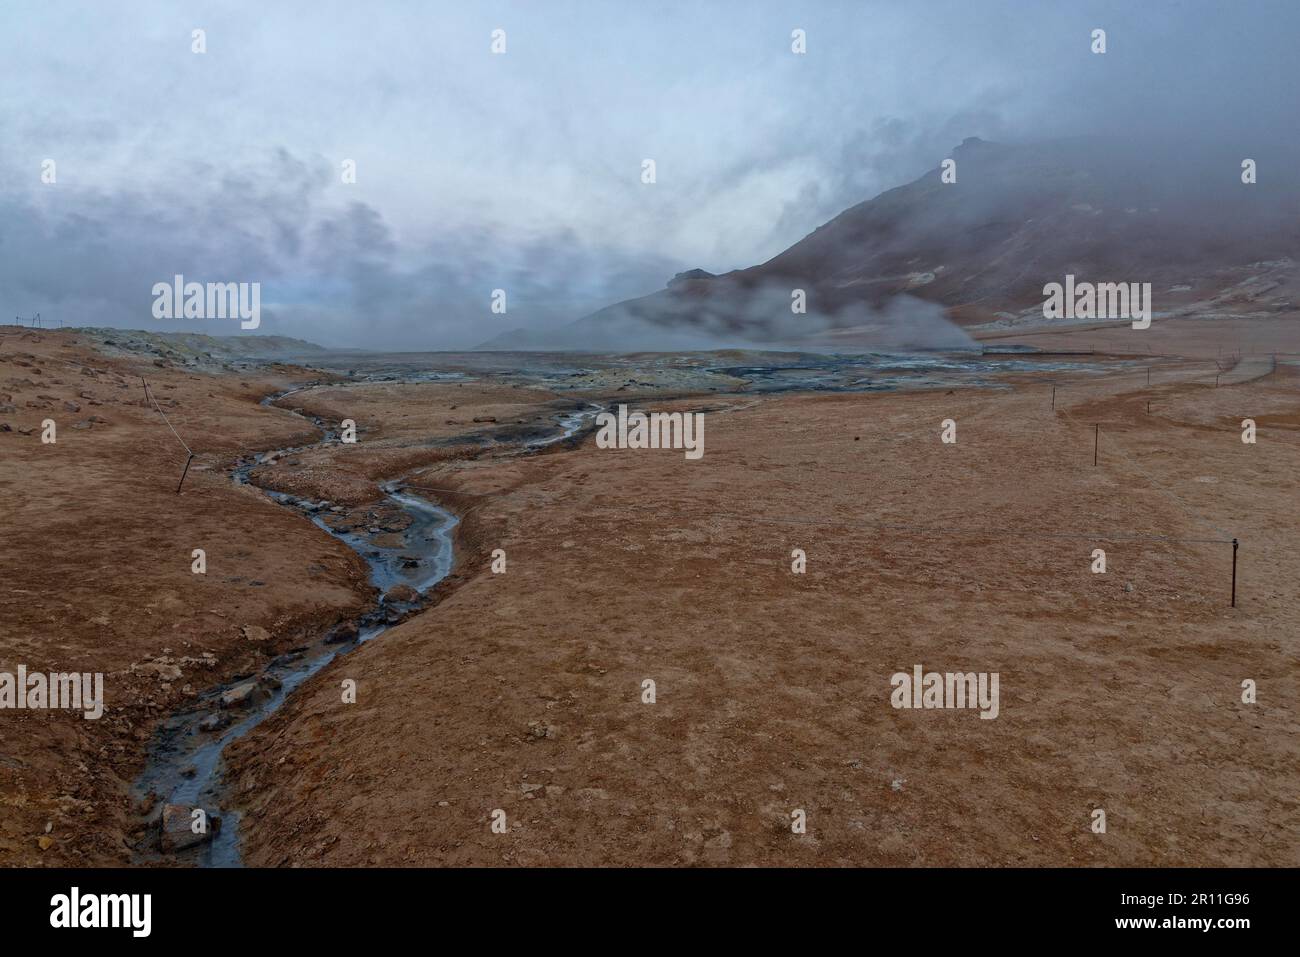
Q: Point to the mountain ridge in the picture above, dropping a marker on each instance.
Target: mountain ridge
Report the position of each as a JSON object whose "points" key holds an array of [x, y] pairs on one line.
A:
{"points": [[981, 248]]}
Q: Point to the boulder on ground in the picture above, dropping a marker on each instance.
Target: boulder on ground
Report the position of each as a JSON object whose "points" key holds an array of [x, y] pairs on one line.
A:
{"points": [[403, 593], [243, 695], [347, 631], [179, 824], [214, 722]]}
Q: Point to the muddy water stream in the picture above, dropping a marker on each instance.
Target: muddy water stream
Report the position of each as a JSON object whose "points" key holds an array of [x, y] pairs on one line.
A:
{"points": [[413, 548]]}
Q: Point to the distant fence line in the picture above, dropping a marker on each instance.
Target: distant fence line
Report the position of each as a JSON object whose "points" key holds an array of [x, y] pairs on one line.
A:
{"points": [[36, 322]]}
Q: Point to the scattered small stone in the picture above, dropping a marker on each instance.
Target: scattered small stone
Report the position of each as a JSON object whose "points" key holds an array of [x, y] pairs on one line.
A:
{"points": [[539, 731], [162, 670], [242, 696]]}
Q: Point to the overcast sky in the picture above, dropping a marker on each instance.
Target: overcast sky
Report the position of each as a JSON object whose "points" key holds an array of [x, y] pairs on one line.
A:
{"points": [[522, 171]]}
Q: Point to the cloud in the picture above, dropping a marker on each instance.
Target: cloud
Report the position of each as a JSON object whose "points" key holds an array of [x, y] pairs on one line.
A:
{"points": [[521, 171], [331, 272]]}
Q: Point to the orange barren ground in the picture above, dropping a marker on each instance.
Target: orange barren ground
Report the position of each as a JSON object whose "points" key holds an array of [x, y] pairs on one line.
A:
{"points": [[523, 691], [96, 565]]}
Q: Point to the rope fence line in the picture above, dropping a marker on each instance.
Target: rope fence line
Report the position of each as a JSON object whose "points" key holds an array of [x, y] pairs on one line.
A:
{"points": [[150, 398], [149, 395], [996, 534], [76, 364], [188, 451], [1187, 508], [986, 533]]}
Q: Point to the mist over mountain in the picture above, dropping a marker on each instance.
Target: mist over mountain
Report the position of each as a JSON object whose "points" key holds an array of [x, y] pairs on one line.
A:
{"points": [[1013, 218]]}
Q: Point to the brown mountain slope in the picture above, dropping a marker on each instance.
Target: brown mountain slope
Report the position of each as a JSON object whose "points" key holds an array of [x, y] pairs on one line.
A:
{"points": [[1017, 217]]}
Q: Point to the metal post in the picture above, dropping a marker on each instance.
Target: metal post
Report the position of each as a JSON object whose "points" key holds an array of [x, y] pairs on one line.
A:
{"points": [[185, 473], [1096, 442], [1234, 573], [1053, 398]]}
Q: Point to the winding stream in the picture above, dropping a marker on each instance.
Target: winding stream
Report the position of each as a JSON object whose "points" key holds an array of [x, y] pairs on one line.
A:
{"points": [[413, 548]]}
